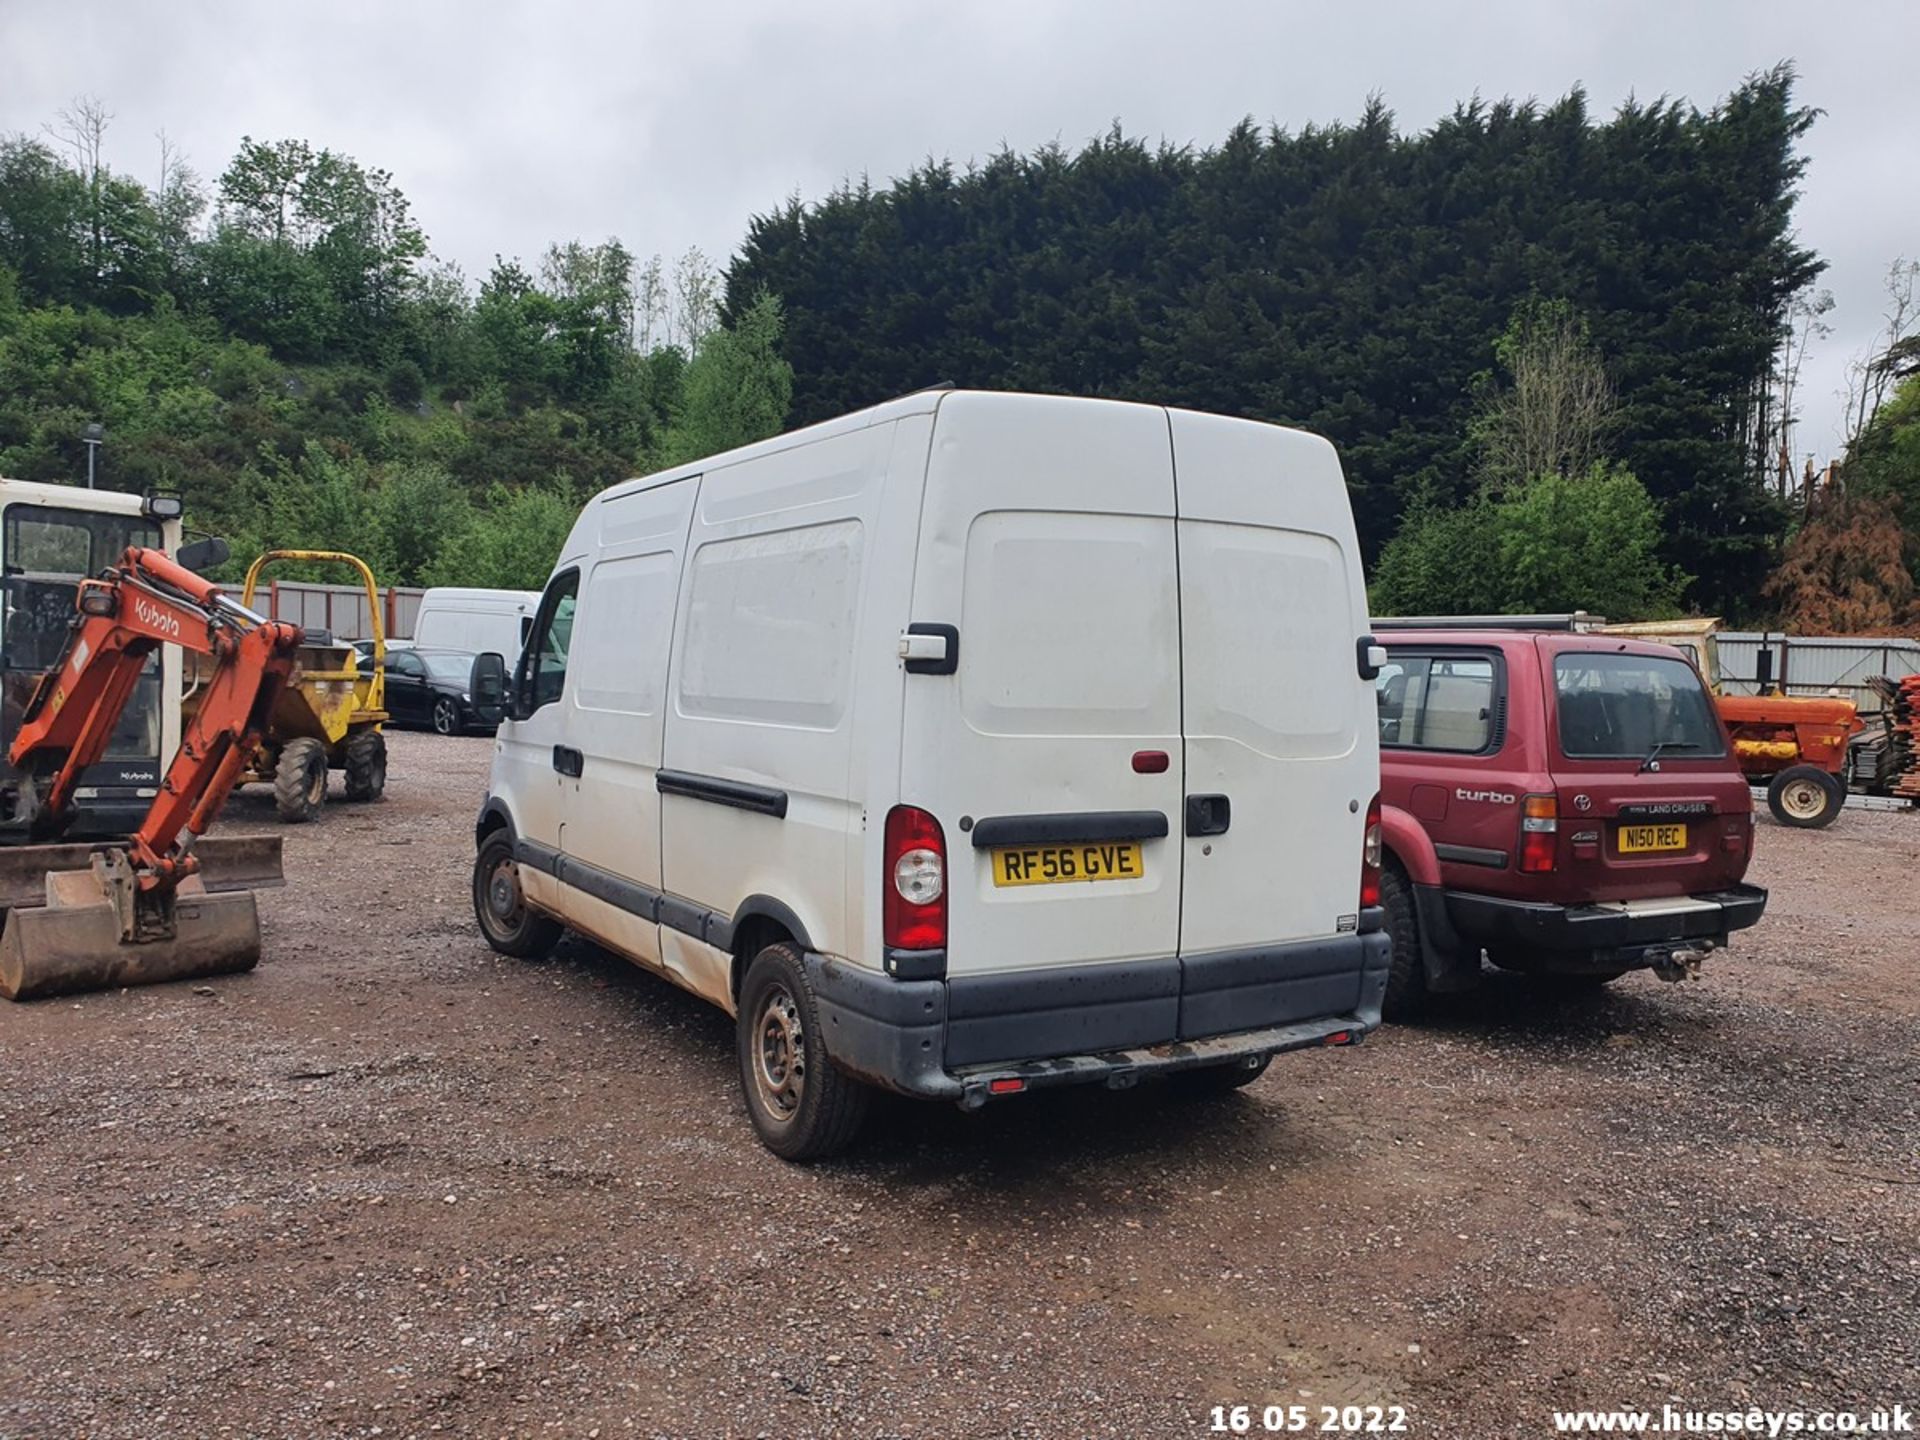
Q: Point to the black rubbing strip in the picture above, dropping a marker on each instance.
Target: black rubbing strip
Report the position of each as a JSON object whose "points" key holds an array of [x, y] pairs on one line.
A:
{"points": [[1088, 825], [736, 794]]}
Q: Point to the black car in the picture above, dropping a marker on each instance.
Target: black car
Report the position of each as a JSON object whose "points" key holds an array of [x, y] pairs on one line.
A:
{"points": [[433, 688]]}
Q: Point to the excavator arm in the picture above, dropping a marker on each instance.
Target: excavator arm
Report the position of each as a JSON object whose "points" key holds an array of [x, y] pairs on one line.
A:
{"points": [[146, 601]]}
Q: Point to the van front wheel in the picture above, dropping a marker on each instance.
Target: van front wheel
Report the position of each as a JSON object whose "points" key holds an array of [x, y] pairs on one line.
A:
{"points": [[510, 925], [802, 1106]]}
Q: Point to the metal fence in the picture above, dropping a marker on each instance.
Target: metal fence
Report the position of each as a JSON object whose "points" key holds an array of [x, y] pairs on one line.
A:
{"points": [[342, 609], [1813, 665]]}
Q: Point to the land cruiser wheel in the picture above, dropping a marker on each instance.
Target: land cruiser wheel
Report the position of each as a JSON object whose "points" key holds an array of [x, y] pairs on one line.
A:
{"points": [[509, 924], [803, 1107], [300, 780], [1805, 797], [1407, 971]]}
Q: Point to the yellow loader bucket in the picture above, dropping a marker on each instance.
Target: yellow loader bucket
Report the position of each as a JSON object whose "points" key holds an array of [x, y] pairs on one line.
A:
{"points": [[78, 933]]}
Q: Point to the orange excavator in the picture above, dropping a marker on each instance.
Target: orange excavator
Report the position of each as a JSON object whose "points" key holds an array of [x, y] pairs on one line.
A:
{"points": [[162, 904]]}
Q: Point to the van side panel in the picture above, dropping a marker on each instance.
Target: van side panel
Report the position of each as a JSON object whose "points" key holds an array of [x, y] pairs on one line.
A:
{"points": [[615, 702], [759, 733]]}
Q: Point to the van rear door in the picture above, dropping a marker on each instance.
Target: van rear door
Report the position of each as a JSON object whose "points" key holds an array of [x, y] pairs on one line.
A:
{"points": [[1051, 757], [1282, 755]]}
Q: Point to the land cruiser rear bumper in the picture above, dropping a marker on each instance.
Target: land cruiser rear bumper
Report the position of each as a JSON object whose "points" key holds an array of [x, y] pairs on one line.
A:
{"points": [[970, 1038], [1632, 930]]}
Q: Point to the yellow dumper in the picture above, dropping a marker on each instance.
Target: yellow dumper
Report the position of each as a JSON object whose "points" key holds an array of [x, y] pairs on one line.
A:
{"points": [[329, 714]]}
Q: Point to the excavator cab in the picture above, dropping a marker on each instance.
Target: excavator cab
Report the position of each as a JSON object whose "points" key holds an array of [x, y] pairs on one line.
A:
{"points": [[51, 538]]}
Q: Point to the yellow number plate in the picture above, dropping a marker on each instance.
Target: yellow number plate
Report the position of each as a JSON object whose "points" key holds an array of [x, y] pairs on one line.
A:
{"points": [[1058, 864], [1641, 839]]}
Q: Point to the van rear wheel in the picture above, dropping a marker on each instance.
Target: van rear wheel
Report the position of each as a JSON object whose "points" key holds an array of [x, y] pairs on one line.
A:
{"points": [[1805, 797], [803, 1107]]}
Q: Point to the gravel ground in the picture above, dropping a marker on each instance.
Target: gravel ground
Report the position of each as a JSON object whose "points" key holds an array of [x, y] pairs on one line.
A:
{"points": [[390, 1184]]}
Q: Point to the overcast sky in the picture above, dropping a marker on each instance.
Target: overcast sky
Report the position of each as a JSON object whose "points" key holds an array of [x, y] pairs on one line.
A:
{"points": [[509, 123]]}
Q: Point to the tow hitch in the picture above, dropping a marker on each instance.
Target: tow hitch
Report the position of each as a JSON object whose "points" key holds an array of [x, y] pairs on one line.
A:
{"points": [[1681, 961]]}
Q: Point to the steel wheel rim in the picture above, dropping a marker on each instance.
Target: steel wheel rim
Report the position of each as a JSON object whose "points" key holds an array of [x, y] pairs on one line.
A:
{"points": [[503, 895], [317, 784], [780, 1055], [1802, 799]]}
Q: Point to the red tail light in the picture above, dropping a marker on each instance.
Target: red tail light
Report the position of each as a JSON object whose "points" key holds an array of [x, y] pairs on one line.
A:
{"points": [[1539, 834], [913, 881], [1370, 858]]}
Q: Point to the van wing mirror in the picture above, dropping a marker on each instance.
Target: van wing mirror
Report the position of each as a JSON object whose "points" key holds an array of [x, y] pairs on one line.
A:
{"points": [[487, 682], [203, 554]]}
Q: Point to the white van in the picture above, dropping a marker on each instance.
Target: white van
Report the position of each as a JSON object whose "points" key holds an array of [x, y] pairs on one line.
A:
{"points": [[475, 621], [963, 746]]}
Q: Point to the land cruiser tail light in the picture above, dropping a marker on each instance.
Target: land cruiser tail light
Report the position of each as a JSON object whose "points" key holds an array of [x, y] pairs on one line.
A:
{"points": [[914, 910], [1370, 858], [1539, 834]]}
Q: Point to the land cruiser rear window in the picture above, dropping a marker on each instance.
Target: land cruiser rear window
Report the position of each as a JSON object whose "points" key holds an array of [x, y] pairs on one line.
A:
{"points": [[1438, 702], [1632, 707]]}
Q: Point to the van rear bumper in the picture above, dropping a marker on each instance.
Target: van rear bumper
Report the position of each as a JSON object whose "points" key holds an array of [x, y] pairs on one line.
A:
{"points": [[949, 1039]]}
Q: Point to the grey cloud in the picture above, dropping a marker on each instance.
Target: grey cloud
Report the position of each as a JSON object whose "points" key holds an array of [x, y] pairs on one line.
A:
{"points": [[511, 124]]}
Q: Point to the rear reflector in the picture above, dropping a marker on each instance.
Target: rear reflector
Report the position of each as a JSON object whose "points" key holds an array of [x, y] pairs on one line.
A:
{"points": [[1339, 1037], [1011, 1086], [1150, 762]]}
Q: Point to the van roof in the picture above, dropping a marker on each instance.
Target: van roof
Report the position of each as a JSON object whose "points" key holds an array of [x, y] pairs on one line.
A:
{"points": [[463, 592], [920, 402]]}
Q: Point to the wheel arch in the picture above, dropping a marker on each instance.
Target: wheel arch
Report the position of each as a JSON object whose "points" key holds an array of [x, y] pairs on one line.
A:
{"points": [[493, 816], [1407, 842], [760, 921]]}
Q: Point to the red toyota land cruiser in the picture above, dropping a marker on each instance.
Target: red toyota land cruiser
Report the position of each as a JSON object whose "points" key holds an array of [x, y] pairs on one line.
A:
{"points": [[1567, 802]]}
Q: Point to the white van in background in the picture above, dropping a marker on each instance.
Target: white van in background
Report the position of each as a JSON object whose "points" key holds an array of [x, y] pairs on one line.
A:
{"points": [[967, 745], [475, 621]]}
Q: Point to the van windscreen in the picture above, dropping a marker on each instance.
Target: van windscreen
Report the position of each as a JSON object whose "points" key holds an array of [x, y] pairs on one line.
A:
{"points": [[1630, 707]]}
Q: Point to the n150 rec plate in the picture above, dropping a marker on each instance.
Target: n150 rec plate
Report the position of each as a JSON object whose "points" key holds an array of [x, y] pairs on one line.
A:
{"points": [[1652, 839], [1064, 864]]}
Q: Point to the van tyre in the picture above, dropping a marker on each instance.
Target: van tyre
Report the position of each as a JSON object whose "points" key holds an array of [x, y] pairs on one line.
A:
{"points": [[300, 780], [1407, 970], [802, 1105], [1805, 797], [510, 925], [363, 755], [446, 716]]}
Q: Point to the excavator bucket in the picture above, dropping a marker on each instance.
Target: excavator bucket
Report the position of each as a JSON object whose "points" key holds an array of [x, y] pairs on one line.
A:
{"points": [[73, 935]]}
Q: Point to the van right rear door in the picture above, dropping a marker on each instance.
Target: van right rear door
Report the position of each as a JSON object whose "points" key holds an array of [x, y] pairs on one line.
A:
{"points": [[1282, 752], [1047, 541]]}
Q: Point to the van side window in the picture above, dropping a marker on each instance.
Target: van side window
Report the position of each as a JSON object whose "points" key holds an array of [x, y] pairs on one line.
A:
{"points": [[1437, 702], [544, 665]]}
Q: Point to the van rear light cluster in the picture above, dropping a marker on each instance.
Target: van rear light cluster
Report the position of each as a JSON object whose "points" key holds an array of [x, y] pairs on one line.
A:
{"points": [[1539, 834], [913, 910], [1370, 852]]}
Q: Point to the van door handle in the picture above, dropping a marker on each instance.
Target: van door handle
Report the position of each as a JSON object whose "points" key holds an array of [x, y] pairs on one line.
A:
{"points": [[1208, 814], [568, 761]]}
